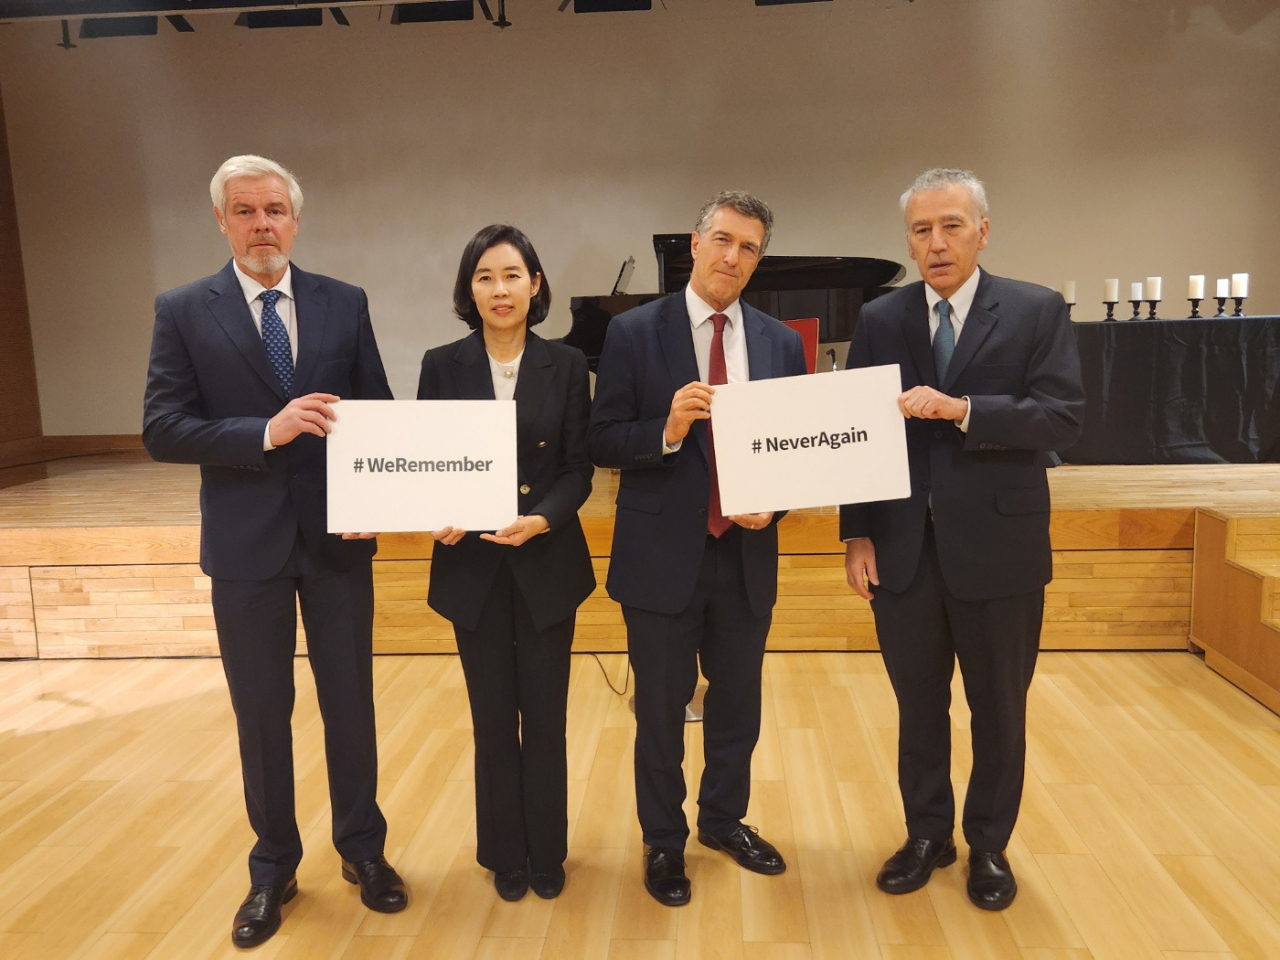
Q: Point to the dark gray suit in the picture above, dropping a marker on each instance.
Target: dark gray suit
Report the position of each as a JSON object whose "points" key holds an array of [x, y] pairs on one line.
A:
{"points": [[263, 541], [964, 578]]}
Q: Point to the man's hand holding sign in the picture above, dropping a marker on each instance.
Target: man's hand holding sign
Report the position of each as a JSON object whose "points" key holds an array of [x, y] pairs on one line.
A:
{"points": [[922, 403], [693, 402], [926, 403]]}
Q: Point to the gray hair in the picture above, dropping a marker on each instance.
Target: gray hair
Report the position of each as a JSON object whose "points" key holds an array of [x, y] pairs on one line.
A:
{"points": [[939, 178], [739, 202], [249, 165]]}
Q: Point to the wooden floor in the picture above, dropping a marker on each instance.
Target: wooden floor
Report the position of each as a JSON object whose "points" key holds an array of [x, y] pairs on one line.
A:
{"points": [[1150, 826]]}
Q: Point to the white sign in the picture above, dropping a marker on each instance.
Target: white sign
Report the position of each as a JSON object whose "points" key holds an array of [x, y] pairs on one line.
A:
{"points": [[811, 441], [417, 465]]}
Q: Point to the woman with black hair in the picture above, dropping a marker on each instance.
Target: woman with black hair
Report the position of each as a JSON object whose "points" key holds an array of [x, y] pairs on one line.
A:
{"points": [[513, 595]]}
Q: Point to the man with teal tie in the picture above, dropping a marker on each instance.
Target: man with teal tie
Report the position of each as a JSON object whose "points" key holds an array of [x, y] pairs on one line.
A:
{"points": [[956, 571]]}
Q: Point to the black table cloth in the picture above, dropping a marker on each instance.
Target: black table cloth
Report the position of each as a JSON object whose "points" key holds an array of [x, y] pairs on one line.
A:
{"points": [[1180, 391]]}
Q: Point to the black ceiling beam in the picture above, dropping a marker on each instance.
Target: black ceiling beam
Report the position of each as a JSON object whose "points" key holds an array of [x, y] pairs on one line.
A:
{"points": [[272, 19], [94, 29], [610, 6], [83, 9], [436, 12]]}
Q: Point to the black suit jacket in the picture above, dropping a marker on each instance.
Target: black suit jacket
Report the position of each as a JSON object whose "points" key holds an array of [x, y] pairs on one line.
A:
{"points": [[211, 391], [1016, 360], [553, 570], [660, 528]]}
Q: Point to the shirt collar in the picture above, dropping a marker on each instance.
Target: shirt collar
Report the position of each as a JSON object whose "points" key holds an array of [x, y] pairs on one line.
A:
{"points": [[700, 311], [253, 289], [497, 366], [961, 300]]}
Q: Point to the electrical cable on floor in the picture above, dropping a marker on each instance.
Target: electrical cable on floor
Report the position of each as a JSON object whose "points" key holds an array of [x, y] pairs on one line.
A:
{"points": [[626, 683]]}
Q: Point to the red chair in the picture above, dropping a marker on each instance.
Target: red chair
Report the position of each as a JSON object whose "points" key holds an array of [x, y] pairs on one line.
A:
{"points": [[808, 330]]}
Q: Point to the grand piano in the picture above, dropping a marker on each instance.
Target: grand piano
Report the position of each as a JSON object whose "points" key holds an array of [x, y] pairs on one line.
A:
{"points": [[833, 289]]}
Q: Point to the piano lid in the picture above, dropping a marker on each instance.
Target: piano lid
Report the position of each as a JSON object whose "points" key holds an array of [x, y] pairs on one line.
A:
{"points": [[675, 263]]}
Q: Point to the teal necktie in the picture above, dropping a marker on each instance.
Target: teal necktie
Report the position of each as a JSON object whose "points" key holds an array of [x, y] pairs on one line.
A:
{"points": [[944, 341]]}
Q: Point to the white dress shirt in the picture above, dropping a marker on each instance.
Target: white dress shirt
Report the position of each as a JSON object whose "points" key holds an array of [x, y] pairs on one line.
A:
{"points": [[960, 302], [703, 329], [284, 307], [505, 376]]}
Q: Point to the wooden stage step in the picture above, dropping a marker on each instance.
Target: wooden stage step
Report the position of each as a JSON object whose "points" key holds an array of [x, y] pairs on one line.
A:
{"points": [[1236, 601], [99, 559]]}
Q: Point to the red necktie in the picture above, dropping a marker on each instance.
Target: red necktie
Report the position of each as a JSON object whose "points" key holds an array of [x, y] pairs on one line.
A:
{"points": [[717, 373]]}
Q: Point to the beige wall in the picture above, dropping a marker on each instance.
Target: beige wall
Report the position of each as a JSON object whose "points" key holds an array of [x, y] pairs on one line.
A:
{"points": [[1116, 140]]}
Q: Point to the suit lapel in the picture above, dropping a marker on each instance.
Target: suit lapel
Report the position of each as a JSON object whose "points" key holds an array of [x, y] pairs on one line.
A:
{"points": [[475, 381], [533, 386], [228, 306], [977, 327], [676, 340], [759, 347], [915, 331], [311, 305]]}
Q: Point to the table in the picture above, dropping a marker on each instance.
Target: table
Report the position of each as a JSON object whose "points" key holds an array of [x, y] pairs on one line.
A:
{"points": [[1180, 391]]}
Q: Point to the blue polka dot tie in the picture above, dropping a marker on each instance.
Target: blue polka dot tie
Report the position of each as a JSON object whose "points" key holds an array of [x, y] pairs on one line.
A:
{"points": [[276, 337]]}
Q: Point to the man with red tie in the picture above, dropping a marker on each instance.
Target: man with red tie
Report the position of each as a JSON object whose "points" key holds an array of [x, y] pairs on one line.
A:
{"points": [[696, 587]]}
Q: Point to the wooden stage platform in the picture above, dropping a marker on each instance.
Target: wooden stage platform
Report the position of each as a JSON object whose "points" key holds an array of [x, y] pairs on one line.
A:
{"points": [[98, 558]]}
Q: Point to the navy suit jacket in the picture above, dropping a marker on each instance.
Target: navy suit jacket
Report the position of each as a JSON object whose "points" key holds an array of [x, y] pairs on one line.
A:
{"points": [[553, 570], [660, 527], [1016, 360], [211, 391]]}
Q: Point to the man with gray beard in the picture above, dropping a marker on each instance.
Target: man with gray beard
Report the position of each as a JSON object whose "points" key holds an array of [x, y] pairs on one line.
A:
{"points": [[244, 368]]}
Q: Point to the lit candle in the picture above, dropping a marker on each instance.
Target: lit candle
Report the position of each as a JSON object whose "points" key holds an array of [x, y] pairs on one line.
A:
{"points": [[1110, 291], [1224, 288], [1153, 288], [1195, 291], [1239, 285], [1069, 291]]}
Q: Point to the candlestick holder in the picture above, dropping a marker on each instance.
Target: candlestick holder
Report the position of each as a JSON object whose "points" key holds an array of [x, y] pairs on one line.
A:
{"points": [[1069, 306], [1137, 305], [1222, 306], [1153, 304], [1195, 307], [1239, 306], [1111, 309]]}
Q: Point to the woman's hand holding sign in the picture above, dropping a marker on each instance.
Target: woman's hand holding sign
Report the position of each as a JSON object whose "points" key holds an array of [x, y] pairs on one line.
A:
{"points": [[524, 528]]}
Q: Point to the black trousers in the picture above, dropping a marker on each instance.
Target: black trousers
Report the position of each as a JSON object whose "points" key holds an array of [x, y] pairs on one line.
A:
{"points": [[923, 632], [719, 631], [257, 625], [518, 685]]}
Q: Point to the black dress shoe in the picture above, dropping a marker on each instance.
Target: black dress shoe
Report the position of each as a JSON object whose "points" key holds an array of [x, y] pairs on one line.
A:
{"points": [[511, 885], [664, 876], [547, 883], [910, 868], [744, 844], [259, 916], [991, 885], [381, 888]]}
